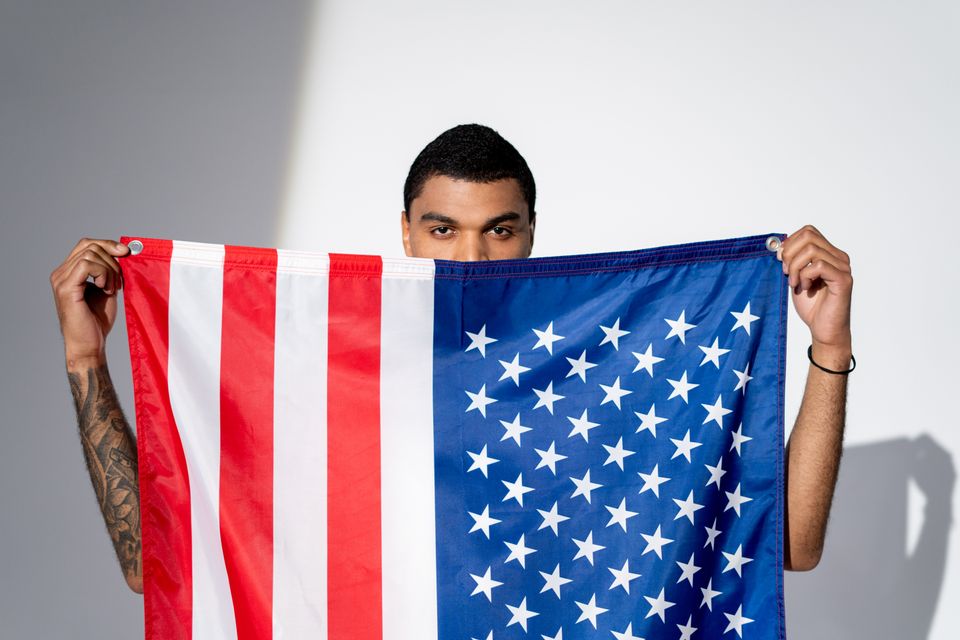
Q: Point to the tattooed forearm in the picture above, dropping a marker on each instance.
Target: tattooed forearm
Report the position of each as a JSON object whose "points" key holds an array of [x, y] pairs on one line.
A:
{"points": [[111, 456]]}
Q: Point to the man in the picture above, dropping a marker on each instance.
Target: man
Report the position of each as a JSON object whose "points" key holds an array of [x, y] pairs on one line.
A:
{"points": [[469, 195]]}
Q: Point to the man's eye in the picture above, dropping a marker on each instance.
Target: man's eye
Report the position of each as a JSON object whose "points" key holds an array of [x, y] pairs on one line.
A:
{"points": [[501, 231], [441, 231]]}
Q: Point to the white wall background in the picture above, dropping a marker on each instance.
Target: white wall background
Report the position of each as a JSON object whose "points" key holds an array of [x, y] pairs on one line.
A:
{"points": [[648, 123], [645, 123]]}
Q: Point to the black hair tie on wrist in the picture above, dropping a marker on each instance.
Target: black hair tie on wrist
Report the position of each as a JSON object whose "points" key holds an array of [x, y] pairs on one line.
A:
{"points": [[824, 369]]}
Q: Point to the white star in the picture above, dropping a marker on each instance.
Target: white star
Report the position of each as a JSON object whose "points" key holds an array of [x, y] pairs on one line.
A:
{"points": [[712, 533], [549, 458], [708, 595], [681, 387], [551, 519], [520, 614], [479, 400], [736, 621], [679, 327], [516, 490], [734, 500], [623, 576], [613, 335], [587, 548], [580, 366], [546, 338], [736, 560], [614, 392], [546, 398], [582, 426], [649, 420], [481, 461], [519, 551], [739, 439], [713, 353], [513, 369], [686, 630], [652, 481], [584, 486], [684, 447], [513, 430], [559, 635], [646, 360], [743, 377], [590, 610], [627, 633], [716, 473], [687, 508], [658, 606], [485, 585], [620, 515], [553, 581], [688, 570], [655, 543], [479, 341], [483, 521], [715, 412], [744, 319], [617, 454]]}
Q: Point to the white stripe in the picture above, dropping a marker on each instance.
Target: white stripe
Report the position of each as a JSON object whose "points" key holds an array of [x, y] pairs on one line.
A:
{"points": [[196, 303], [406, 452], [300, 448]]}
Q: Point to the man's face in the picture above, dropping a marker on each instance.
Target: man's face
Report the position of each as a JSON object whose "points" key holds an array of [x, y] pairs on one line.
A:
{"points": [[468, 221]]}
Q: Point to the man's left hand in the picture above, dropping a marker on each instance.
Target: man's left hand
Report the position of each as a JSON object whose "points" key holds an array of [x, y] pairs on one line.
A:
{"points": [[822, 283]]}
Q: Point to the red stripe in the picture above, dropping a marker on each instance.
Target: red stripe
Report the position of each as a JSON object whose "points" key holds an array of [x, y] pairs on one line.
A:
{"points": [[353, 439], [246, 435], [164, 482]]}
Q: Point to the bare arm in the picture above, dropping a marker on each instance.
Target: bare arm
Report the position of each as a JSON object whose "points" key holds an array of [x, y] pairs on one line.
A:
{"points": [[111, 454], [813, 461], [87, 310], [822, 284]]}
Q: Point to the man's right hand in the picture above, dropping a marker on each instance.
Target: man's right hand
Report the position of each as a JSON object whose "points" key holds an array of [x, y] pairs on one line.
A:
{"points": [[85, 290]]}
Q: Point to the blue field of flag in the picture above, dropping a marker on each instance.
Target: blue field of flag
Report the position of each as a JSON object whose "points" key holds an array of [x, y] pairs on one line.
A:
{"points": [[609, 445]]}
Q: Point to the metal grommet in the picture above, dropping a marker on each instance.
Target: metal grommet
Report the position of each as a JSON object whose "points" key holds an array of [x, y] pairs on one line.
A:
{"points": [[136, 247], [773, 243]]}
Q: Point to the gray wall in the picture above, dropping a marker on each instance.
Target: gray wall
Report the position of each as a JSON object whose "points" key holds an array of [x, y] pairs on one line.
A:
{"points": [[168, 119]]}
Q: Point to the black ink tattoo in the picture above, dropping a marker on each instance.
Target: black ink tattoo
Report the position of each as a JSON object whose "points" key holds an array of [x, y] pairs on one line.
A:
{"points": [[111, 457]]}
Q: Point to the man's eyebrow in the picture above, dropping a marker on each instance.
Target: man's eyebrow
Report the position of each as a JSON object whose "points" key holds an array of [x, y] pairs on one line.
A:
{"points": [[433, 216], [437, 217], [509, 216]]}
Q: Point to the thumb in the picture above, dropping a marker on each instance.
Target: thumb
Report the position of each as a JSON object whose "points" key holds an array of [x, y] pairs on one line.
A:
{"points": [[119, 249]]}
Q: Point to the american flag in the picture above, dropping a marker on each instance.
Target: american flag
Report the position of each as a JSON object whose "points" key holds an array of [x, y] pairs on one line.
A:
{"points": [[340, 446]]}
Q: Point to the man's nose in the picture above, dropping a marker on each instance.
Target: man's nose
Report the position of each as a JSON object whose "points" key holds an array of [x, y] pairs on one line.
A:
{"points": [[471, 249]]}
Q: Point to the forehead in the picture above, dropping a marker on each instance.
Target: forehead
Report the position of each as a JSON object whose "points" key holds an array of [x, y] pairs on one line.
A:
{"points": [[466, 201]]}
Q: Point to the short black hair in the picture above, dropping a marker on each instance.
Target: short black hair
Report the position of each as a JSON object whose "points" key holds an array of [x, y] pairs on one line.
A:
{"points": [[471, 152]]}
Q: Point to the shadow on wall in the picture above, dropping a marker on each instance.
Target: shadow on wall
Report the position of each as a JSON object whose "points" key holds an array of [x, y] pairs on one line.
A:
{"points": [[873, 582]]}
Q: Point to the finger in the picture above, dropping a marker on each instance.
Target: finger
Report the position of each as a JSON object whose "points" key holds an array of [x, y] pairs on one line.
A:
{"points": [[112, 247], [822, 271], [809, 254], [806, 236], [800, 239], [82, 269], [96, 253]]}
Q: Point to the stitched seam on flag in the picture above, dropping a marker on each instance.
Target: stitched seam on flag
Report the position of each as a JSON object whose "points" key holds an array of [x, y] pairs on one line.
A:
{"points": [[781, 303], [634, 257], [697, 251], [136, 367], [592, 270]]}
